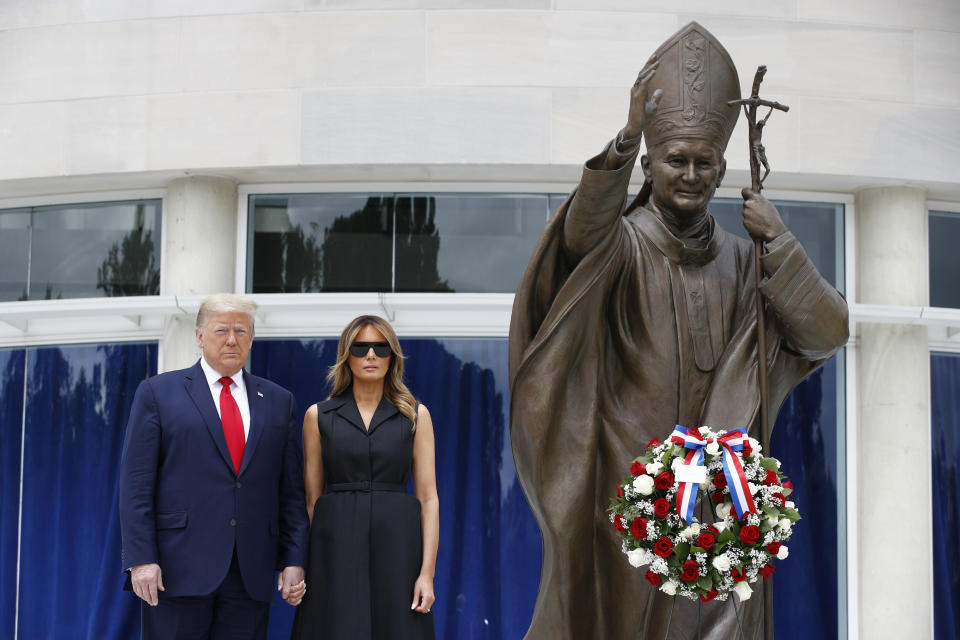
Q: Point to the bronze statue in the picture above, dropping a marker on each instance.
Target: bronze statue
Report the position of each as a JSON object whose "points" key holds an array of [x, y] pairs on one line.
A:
{"points": [[634, 317]]}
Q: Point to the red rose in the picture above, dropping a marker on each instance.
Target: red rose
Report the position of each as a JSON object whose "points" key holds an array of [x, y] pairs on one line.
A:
{"points": [[663, 547], [637, 468], [712, 529], [737, 576], [639, 528], [747, 449], [661, 508], [691, 571], [773, 548], [788, 485], [779, 498], [749, 534], [710, 595], [720, 481], [653, 578], [766, 571], [771, 478], [664, 480], [705, 540], [619, 491], [620, 523], [653, 443], [717, 496]]}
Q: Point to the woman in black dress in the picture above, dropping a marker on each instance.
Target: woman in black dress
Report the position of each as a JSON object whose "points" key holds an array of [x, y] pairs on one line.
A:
{"points": [[373, 546]]}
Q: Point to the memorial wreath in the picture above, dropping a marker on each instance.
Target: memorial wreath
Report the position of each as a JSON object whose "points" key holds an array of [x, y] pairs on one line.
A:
{"points": [[749, 497]]}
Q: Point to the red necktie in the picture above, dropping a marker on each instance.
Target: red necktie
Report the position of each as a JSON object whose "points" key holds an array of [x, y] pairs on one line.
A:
{"points": [[232, 424]]}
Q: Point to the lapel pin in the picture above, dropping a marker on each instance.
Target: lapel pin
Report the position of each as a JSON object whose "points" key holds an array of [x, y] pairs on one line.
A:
{"points": [[260, 394]]}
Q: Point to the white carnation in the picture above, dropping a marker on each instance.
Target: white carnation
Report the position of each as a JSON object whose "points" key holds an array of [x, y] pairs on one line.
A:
{"points": [[743, 591], [676, 462], [704, 431], [669, 587], [637, 557], [721, 563], [643, 484], [713, 448], [784, 524], [753, 488], [783, 552], [755, 445]]}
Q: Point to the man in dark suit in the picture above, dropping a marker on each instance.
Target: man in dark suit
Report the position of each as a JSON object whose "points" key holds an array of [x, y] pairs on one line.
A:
{"points": [[211, 489]]}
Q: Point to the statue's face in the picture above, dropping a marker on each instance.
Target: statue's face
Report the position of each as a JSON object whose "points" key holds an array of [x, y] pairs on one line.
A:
{"points": [[684, 174]]}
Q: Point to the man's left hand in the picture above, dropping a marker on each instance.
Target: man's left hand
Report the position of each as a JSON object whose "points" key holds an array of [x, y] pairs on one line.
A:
{"points": [[291, 585], [760, 218]]}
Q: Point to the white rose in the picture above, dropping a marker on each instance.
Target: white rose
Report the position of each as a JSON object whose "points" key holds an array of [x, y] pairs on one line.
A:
{"points": [[783, 553], [743, 590], [669, 587], [784, 523], [704, 431], [720, 526], [643, 484], [654, 468], [637, 557], [755, 445], [713, 448], [789, 504], [753, 488], [773, 520], [721, 563], [724, 509], [676, 463]]}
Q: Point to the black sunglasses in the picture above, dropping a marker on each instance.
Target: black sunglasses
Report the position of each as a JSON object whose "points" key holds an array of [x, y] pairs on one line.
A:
{"points": [[380, 349]]}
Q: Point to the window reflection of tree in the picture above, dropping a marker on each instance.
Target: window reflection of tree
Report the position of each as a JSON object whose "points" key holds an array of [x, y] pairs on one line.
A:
{"points": [[418, 244], [130, 267], [356, 253]]}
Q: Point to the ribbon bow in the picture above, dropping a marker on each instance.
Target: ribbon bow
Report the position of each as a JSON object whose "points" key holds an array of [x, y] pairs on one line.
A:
{"points": [[736, 479]]}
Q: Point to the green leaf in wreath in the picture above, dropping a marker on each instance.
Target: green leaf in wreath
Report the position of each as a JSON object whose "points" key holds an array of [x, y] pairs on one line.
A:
{"points": [[770, 464], [773, 512], [681, 550], [705, 583], [786, 491], [696, 549], [765, 526], [791, 514], [727, 536]]}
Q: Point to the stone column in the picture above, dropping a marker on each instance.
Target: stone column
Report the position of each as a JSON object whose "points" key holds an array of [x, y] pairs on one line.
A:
{"points": [[894, 419], [200, 234]]}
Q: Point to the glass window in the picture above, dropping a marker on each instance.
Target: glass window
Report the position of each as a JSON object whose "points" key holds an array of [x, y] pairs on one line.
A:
{"points": [[944, 259], [466, 242], [320, 242], [14, 254], [392, 242], [817, 225], [80, 251]]}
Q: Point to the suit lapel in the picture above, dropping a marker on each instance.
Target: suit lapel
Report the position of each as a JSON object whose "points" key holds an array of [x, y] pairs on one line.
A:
{"points": [[199, 392], [256, 401]]}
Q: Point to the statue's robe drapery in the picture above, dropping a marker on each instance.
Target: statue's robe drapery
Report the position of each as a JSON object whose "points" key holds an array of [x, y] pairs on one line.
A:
{"points": [[617, 337]]}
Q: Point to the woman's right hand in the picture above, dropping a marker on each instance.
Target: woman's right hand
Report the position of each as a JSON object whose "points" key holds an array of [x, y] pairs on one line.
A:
{"points": [[642, 106]]}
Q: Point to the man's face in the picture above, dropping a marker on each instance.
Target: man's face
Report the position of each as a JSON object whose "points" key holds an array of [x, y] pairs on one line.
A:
{"points": [[685, 173], [225, 339]]}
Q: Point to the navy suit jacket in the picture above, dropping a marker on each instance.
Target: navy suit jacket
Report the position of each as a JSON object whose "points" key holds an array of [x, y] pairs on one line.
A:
{"points": [[182, 505]]}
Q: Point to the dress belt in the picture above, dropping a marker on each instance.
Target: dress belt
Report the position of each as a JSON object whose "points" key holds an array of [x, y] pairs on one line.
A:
{"points": [[366, 487]]}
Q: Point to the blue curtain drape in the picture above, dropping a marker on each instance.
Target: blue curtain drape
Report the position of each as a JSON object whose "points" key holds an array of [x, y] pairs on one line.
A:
{"points": [[77, 402], [805, 441], [945, 423], [489, 559], [11, 426]]}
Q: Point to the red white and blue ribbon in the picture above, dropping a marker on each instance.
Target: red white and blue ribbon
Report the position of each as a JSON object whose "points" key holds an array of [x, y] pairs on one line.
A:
{"points": [[732, 469]]}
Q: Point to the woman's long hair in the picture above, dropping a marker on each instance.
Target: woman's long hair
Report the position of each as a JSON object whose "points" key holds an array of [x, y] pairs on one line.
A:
{"points": [[340, 377]]}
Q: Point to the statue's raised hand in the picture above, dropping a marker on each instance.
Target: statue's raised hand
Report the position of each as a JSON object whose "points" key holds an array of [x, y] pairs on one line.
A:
{"points": [[642, 106]]}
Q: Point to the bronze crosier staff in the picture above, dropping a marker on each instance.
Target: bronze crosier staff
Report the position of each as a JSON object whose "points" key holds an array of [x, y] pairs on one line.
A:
{"points": [[758, 158]]}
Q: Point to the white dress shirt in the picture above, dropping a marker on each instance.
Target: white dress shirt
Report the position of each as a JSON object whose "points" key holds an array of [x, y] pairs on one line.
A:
{"points": [[238, 390]]}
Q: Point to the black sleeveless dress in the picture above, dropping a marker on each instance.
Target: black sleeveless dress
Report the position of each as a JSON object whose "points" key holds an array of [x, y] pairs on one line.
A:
{"points": [[365, 543]]}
